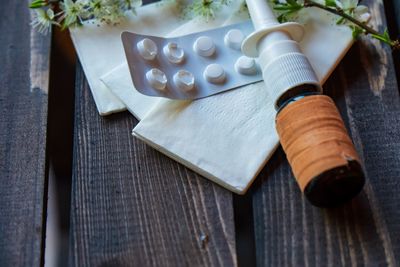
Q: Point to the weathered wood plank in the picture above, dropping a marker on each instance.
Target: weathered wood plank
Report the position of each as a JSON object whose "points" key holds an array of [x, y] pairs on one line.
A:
{"points": [[133, 206], [24, 57], [396, 4], [291, 232]]}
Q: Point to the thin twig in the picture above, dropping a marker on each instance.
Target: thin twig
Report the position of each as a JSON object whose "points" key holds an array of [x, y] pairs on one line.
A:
{"points": [[395, 44], [309, 3]]}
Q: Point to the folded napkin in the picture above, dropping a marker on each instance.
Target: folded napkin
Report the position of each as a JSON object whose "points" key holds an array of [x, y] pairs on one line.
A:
{"points": [[100, 49], [227, 137]]}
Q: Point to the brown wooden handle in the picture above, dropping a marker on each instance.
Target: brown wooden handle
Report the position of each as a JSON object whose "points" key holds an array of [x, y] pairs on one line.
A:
{"points": [[319, 150]]}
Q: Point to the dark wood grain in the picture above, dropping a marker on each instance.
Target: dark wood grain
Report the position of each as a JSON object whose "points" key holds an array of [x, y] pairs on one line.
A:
{"points": [[133, 206], [24, 57], [291, 232], [396, 4]]}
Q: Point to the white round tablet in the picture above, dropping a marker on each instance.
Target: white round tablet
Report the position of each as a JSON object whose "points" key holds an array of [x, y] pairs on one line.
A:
{"points": [[204, 46], [174, 53], [234, 39], [156, 79], [246, 65], [147, 49], [214, 73], [184, 80]]}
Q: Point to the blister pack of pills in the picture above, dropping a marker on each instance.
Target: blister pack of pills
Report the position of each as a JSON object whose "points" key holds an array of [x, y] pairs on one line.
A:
{"points": [[192, 66]]}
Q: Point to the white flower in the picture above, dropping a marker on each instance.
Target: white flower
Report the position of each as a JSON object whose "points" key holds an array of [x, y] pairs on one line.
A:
{"points": [[349, 4], [72, 11], [362, 13], [359, 12], [112, 11], [43, 20]]}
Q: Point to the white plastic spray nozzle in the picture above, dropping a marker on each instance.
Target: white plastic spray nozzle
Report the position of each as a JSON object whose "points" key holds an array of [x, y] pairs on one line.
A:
{"points": [[265, 23], [261, 14], [282, 63]]}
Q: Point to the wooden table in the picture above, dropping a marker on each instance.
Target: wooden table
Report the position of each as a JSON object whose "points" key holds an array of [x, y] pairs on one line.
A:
{"points": [[132, 206]]}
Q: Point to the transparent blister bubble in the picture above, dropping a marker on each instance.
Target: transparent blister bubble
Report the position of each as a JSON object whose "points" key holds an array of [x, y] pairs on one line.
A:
{"points": [[191, 66]]}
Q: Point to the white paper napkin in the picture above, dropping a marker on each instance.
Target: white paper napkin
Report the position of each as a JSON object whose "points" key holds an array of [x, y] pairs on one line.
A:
{"points": [[229, 137], [100, 49]]}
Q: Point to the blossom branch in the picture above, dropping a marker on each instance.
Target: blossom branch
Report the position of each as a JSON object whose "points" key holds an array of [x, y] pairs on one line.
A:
{"points": [[395, 44], [351, 11]]}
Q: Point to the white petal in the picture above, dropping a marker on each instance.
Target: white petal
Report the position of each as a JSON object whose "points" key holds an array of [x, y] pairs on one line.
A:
{"points": [[50, 13], [137, 3], [365, 17], [361, 9]]}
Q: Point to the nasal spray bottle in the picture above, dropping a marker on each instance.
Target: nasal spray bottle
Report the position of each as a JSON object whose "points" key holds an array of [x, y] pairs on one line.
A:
{"points": [[311, 130]]}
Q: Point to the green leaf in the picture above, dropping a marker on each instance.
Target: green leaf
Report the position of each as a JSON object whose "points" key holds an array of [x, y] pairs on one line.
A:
{"points": [[356, 31], [386, 34], [282, 18], [340, 21], [295, 4], [384, 37], [283, 8], [330, 3], [287, 8], [38, 4], [291, 2]]}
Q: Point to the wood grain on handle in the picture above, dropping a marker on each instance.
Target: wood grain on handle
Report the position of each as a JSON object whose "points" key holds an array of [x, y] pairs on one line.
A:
{"points": [[314, 137]]}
